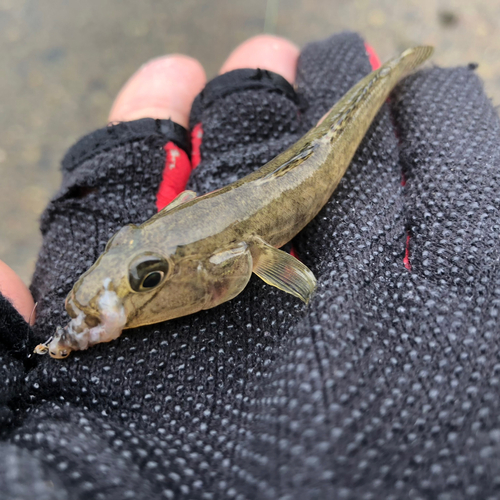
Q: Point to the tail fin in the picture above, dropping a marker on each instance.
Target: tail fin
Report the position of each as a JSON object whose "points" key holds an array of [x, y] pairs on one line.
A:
{"points": [[368, 95], [409, 60]]}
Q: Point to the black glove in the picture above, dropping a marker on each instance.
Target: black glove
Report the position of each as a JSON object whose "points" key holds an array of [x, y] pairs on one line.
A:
{"points": [[384, 387]]}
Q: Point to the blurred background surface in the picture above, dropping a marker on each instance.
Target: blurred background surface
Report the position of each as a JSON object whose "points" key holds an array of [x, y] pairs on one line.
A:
{"points": [[63, 61]]}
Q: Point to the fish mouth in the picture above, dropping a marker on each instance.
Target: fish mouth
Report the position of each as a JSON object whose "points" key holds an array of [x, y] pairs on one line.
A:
{"points": [[87, 329]]}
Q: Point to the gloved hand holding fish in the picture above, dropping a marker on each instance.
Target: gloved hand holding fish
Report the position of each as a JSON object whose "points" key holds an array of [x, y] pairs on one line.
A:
{"points": [[384, 385], [199, 252]]}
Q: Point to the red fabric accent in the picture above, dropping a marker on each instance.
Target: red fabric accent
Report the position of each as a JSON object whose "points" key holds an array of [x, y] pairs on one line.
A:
{"points": [[403, 180], [372, 56], [196, 138], [293, 253], [406, 260], [175, 175]]}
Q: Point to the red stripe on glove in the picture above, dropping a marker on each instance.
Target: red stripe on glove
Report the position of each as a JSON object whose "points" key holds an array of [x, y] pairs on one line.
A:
{"points": [[372, 56], [196, 138], [175, 175], [406, 260]]}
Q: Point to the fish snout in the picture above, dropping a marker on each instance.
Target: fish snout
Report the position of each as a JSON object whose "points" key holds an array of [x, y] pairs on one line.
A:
{"points": [[88, 314], [62, 344]]}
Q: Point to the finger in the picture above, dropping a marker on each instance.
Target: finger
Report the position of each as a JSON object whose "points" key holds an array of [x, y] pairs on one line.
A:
{"points": [[163, 88], [16, 292], [265, 52], [451, 178]]}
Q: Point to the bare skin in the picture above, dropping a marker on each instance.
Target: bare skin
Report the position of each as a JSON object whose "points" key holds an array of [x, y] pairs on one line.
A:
{"points": [[12, 287], [163, 88]]}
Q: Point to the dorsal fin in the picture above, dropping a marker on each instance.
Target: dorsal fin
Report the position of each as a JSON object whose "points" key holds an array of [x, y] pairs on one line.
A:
{"points": [[180, 199]]}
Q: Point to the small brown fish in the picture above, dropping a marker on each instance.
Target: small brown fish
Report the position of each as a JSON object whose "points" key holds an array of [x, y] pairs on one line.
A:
{"points": [[199, 252]]}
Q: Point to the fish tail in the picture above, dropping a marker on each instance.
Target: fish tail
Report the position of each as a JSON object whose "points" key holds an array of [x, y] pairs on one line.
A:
{"points": [[405, 63], [360, 104]]}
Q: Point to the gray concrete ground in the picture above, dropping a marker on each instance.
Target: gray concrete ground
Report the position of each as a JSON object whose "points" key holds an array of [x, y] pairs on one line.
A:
{"points": [[64, 60]]}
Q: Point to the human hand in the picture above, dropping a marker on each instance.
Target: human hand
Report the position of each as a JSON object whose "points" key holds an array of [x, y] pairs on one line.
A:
{"points": [[165, 88], [380, 389]]}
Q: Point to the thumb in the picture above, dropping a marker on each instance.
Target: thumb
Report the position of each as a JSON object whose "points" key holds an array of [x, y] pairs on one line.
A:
{"points": [[16, 292]]}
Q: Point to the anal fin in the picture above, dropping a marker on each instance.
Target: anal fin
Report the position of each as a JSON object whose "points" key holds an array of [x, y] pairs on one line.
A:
{"points": [[280, 269]]}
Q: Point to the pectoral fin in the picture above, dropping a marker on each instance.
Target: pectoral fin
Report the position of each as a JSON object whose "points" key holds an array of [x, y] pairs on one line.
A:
{"points": [[181, 198], [227, 273], [280, 269]]}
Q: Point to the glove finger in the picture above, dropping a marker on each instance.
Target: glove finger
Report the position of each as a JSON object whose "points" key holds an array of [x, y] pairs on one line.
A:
{"points": [[450, 152], [246, 117]]}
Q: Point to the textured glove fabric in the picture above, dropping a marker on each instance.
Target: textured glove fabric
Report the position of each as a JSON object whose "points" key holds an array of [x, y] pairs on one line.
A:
{"points": [[385, 387]]}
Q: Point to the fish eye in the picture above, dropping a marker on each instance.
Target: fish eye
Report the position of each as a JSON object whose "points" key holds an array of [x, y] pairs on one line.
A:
{"points": [[152, 279], [147, 271]]}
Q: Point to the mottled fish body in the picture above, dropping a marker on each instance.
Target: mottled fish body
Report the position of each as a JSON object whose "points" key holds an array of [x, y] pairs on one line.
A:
{"points": [[199, 252]]}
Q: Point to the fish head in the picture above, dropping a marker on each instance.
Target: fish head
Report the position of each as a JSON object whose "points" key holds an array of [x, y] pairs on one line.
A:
{"points": [[121, 282], [97, 302], [104, 285], [153, 282], [140, 280]]}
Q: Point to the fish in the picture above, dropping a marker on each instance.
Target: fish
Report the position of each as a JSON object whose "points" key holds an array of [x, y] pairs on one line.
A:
{"points": [[200, 251]]}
